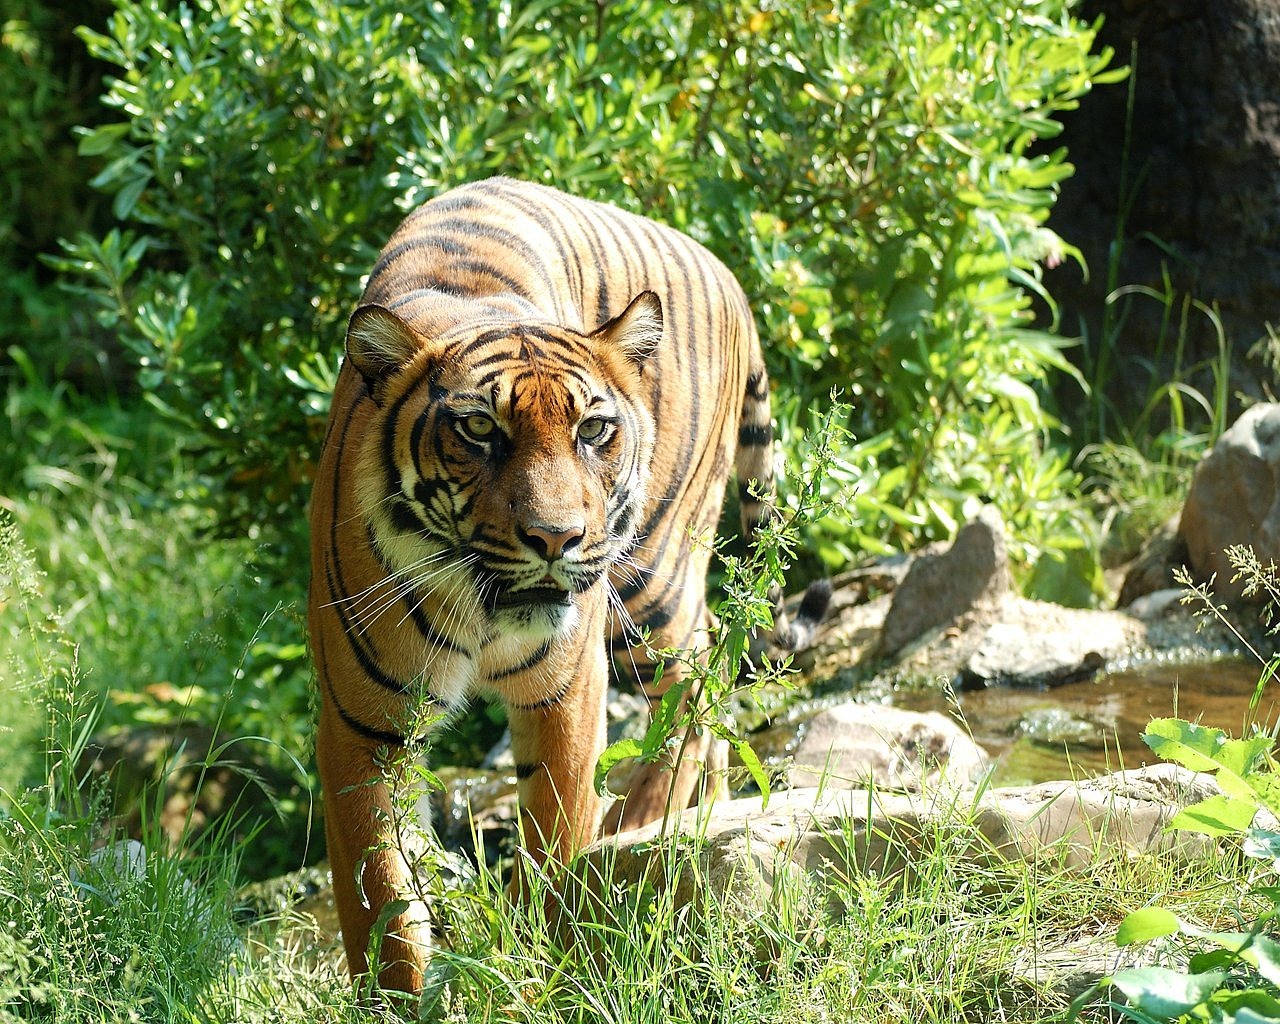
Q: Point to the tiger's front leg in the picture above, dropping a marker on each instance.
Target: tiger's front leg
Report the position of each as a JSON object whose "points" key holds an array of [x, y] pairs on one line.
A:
{"points": [[658, 785], [556, 742], [369, 859]]}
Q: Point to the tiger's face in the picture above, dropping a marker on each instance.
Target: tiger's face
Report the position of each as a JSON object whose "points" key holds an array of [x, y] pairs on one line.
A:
{"points": [[504, 472]]}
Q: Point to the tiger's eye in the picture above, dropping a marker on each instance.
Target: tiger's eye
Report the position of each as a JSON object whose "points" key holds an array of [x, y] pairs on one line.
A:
{"points": [[593, 430], [477, 427]]}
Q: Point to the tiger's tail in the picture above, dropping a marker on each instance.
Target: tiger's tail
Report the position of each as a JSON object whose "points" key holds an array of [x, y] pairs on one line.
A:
{"points": [[756, 489]]}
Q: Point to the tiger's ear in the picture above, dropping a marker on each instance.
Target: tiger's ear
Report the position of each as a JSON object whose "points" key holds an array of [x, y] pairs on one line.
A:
{"points": [[378, 343], [637, 329]]}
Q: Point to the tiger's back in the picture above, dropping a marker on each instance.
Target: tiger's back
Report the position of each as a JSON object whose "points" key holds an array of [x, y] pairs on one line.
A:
{"points": [[528, 449]]}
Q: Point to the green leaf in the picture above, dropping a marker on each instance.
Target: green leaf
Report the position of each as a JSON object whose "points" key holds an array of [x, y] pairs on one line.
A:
{"points": [[1252, 1007], [387, 913], [1268, 892], [1207, 750], [1258, 951], [1212, 960], [664, 716], [1250, 1015], [1147, 924], [749, 758], [1161, 992], [1216, 816], [1185, 743], [613, 753], [102, 139], [127, 198]]}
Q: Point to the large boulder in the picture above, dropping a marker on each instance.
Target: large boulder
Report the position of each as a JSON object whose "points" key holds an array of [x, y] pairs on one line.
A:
{"points": [[854, 745], [948, 614], [1151, 570], [1034, 643], [742, 849], [942, 587], [1235, 498]]}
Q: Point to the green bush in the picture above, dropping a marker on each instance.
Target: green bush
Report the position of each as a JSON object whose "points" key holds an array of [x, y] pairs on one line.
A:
{"points": [[867, 169]]}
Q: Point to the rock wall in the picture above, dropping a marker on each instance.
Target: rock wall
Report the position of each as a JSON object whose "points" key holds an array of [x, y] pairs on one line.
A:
{"points": [[1202, 167]]}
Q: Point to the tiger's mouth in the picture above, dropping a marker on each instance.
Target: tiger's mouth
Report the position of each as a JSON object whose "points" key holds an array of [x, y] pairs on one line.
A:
{"points": [[532, 596]]}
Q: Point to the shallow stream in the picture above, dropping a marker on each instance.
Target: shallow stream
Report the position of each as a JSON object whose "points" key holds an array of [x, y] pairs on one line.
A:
{"points": [[1095, 726]]}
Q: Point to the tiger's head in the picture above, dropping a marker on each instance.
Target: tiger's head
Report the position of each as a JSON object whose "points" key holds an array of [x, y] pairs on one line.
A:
{"points": [[503, 470]]}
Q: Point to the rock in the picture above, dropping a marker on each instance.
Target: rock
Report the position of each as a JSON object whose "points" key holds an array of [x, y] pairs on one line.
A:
{"points": [[1152, 568], [272, 897], [1023, 643], [1157, 605], [886, 748], [1123, 814], [940, 588], [1040, 644], [1235, 499], [742, 850]]}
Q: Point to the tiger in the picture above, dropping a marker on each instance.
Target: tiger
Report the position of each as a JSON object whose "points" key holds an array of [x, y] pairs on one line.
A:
{"points": [[541, 402]]}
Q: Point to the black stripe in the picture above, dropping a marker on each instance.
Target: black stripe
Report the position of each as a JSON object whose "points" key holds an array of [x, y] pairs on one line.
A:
{"points": [[393, 739], [363, 656], [643, 574], [533, 659], [546, 702], [625, 639], [657, 618], [635, 672], [404, 518], [745, 488], [511, 284], [752, 436], [389, 256], [538, 210]]}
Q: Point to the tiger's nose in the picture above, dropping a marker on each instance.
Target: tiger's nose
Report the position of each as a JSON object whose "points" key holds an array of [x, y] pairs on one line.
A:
{"points": [[552, 542]]}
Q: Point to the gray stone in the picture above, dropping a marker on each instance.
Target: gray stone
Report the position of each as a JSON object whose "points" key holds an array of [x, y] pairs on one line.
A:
{"points": [[941, 588], [1056, 645], [1157, 605], [1235, 498], [742, 850], [887, 748]]}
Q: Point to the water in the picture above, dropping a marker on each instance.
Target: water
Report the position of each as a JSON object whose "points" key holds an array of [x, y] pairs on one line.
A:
{"points": [[1095, 726]]}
